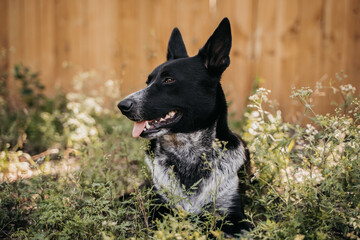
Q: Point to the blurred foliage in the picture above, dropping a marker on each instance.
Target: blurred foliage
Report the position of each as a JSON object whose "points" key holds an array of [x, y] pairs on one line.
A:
{"points": [[305, 182], [31, 87], [37, 120]]}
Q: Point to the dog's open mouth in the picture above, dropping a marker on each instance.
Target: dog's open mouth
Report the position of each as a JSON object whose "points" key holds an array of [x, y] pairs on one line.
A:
{"points": [[151, 126]]}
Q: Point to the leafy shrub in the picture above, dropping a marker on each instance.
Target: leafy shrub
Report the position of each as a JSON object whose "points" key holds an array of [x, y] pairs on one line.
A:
{"points": [[306, 180]]}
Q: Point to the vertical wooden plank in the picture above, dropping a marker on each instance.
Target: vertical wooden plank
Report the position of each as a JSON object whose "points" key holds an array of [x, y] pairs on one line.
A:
{"points": [[148, 45], [16, 45], [47, 45], [61, 48], [352, 19], [16, 34], [331, 58], [4, 47], [334, 34], [62, 44], [321, 105], [108, 14], [110, 26], [238, 79], [264, 45], [198, 32], [109, 42], [31, 27], [309, 55], [80, 52], [4, 15], [130, 49], [4, 33], [183, 20], [163, 28], [95, 19], [310, 42], [288, 65], [120, 64]]}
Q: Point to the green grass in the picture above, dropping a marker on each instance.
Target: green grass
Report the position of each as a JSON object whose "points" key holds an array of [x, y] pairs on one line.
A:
{"points": [[305, 181]]}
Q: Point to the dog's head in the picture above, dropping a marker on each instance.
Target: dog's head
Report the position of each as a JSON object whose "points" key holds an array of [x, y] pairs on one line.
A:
{"points": [[181, 93]]}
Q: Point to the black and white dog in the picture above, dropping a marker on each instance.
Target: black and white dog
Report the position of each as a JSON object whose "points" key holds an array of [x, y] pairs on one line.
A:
{"points": [[183, 112]]}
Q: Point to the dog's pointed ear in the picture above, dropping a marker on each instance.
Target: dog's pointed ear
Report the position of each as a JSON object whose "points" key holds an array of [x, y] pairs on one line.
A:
{"points": [[176, 46], [215, 53]]}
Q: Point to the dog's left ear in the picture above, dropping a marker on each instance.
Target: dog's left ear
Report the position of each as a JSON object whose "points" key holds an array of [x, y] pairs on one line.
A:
{"points": [[176, 46], [215, 53]]}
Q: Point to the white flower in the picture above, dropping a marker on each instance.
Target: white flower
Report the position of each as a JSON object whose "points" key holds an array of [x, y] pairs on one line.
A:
{"points": [[255, 114], [337, 134], [92, 104], [93, 131], [254, 125], [311, 130], [348, 88], [73, 106], [271, 118], [254, 98], [86, 118], [310, 138], [73, 121], [252, 132], [261, 94]]}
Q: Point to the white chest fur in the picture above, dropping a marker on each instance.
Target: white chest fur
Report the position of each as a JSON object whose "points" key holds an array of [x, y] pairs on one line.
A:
{"points": [[193, 171]]}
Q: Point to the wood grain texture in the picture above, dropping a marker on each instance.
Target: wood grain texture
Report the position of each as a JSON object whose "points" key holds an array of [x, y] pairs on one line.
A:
{"points": [[286, 43]]}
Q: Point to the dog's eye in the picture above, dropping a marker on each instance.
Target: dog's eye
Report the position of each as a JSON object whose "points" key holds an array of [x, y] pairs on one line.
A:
{"points": [[169, 80]]}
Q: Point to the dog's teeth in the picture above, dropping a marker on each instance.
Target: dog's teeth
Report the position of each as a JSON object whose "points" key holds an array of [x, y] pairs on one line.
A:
{"points": [[147, 125]]}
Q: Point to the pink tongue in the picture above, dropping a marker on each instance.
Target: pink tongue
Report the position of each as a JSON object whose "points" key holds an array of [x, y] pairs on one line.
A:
{"points": [[138, 128]]}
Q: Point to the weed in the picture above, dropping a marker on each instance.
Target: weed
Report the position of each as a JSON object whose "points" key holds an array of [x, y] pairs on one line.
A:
{"points": [[306, 179]]}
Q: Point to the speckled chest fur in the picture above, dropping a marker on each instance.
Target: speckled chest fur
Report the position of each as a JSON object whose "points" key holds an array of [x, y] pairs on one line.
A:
{"points": [[195, 171]]}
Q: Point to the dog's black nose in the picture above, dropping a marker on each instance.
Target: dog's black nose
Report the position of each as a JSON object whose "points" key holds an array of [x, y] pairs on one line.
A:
{"points": [[125, 105]]}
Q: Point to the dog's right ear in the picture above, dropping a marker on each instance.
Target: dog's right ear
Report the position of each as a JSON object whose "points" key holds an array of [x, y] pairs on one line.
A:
{"points": [[176, 46], [215, 53]]}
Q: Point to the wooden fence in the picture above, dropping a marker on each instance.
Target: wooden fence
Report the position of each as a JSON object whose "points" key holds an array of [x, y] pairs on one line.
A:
{"points": [[287, 43]]}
